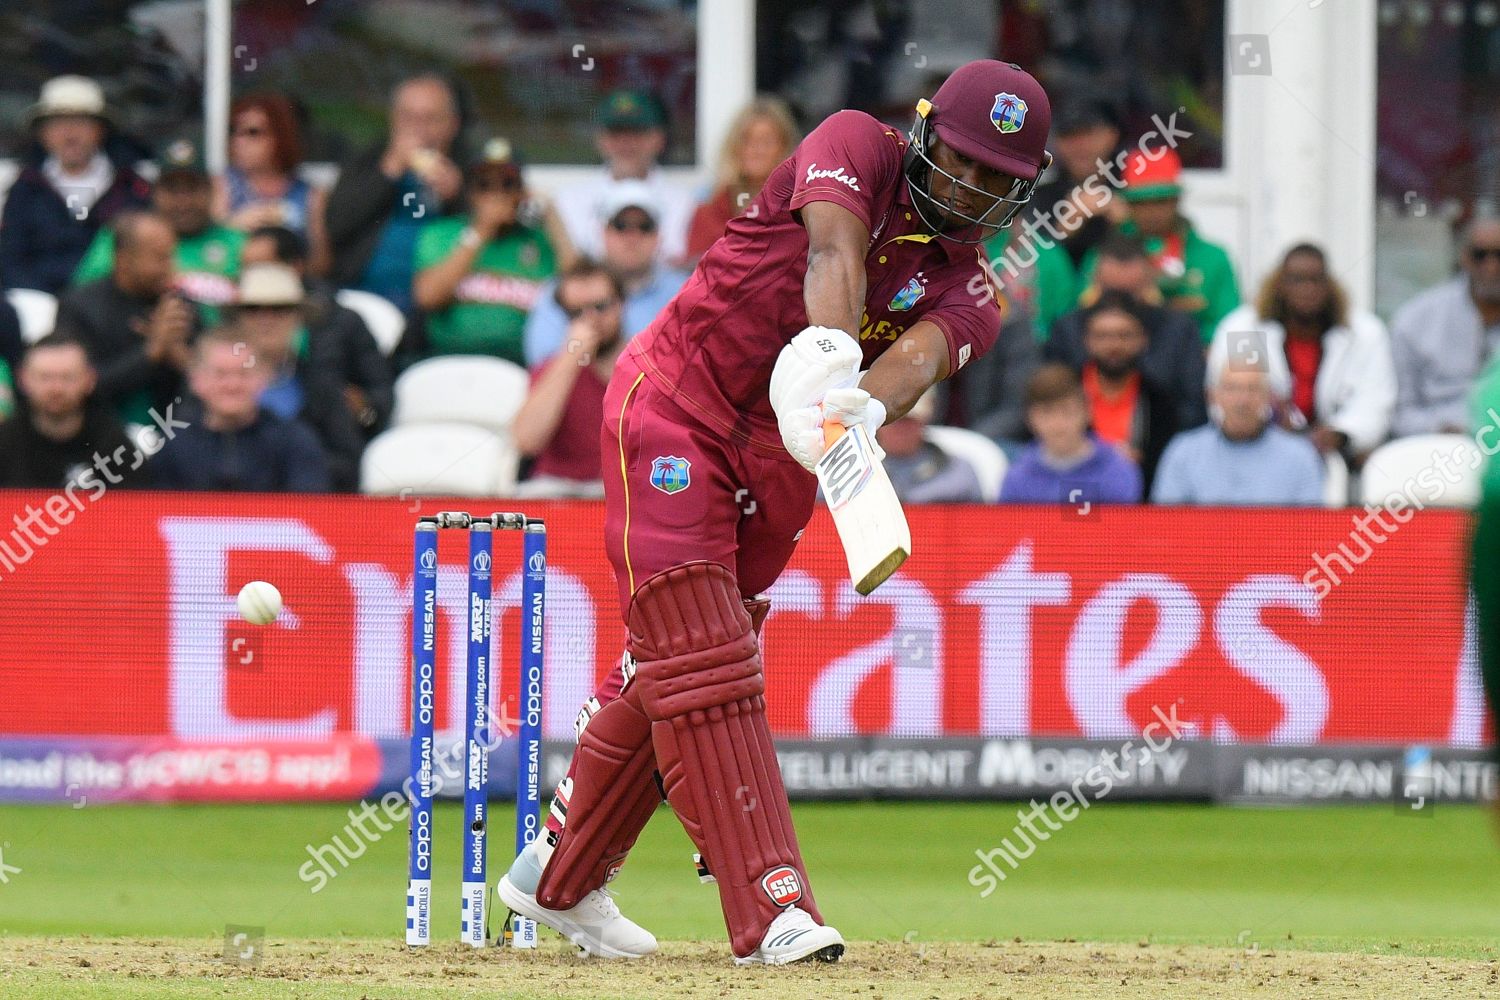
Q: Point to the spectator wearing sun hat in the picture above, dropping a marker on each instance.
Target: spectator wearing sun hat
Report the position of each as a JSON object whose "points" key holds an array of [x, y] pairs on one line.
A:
{"points": [[309, 368], [208, 254], [631, 138], [1194, 275], [480, 274], [68, 190]]}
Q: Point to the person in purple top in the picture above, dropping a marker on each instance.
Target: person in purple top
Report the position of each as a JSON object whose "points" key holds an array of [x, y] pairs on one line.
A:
{"points": [[1067, 464]]}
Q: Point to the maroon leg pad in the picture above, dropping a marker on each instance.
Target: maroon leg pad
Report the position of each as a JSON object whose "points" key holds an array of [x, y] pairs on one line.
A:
{"points": [[700, 683], [614, 794], [605, 822]]}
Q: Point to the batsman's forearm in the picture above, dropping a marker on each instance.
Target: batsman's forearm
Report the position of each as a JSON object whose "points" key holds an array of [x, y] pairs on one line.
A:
{"points": [[834, 290], [907, 369]]}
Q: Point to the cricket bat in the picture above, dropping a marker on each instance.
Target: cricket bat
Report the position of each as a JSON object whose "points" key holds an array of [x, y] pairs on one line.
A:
{"points": [[868, 515]]}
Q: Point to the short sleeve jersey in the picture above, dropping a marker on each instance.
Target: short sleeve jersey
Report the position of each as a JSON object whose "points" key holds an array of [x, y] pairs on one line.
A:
{"points": [[714, 345], [490, 304]]}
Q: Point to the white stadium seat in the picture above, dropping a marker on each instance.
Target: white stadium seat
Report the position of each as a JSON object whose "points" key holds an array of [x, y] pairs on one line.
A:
{"points": [[1335, 480], [384, 320], [984, 455], [37, 311], [1414, 467], [439, 459], [461, 388]]}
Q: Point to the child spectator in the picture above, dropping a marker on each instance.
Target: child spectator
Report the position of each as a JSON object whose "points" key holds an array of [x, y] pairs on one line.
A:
{"points": [[1067, 464]]}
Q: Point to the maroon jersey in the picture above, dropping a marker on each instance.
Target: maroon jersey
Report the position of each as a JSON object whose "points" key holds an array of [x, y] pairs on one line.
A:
{"points": [[713, 347]]}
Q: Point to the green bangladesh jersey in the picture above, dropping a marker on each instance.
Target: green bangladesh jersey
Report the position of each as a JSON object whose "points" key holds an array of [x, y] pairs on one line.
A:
{"points": [[489, 307], [7, 391], [1038, 275], [208, 264], [1194, 275], [1485, 566]]}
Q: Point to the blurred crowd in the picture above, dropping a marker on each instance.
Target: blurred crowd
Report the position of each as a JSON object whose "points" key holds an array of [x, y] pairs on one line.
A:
{"points": [[250, 330]]}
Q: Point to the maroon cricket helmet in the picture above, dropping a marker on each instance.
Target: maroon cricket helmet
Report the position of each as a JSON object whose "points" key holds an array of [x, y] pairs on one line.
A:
{"points": [[996, 113], [993, 113]]}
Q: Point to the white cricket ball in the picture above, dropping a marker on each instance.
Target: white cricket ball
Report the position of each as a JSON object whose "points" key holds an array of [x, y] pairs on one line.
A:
{"points": [[259, 602]]}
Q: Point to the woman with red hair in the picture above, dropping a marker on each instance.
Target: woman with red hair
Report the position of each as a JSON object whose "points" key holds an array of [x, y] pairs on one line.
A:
{"points": [[260, 187]]}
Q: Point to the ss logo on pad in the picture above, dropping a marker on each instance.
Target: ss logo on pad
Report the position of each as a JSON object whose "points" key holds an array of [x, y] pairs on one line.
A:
{"points": [[783, 885]]}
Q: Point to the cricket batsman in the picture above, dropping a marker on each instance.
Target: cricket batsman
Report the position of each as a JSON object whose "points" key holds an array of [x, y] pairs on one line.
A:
{"points": [[860, 254]]}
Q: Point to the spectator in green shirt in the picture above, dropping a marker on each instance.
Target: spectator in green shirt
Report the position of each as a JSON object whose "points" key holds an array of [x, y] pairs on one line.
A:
{"points": [[1193, 274], [208, 254], [479, 274]]}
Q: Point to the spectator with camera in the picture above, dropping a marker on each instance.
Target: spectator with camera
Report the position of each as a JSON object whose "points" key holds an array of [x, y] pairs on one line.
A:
{"points": [[137, 327]]}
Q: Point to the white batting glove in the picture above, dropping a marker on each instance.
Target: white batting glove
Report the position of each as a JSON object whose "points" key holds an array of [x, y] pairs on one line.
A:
{"points": [[802, 429], [814, 361]]}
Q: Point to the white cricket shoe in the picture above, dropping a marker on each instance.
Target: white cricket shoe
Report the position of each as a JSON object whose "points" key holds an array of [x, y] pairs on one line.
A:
{"points": [[596, 924], [793, 937]]}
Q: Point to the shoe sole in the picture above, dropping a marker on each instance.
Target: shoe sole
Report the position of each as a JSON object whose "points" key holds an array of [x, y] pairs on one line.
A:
{"points": [[827, 953], [524, 905]]}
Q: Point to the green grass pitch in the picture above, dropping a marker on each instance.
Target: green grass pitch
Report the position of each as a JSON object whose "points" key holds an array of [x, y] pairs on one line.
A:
{"points": [[1353, 879]]}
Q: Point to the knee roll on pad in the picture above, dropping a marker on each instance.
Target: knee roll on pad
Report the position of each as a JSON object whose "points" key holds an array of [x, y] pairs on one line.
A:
{"points": [[700, 683]]}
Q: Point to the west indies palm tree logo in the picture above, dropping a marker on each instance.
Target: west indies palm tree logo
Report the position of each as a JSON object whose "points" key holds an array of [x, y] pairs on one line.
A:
{"points": [[1009, 113]]}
